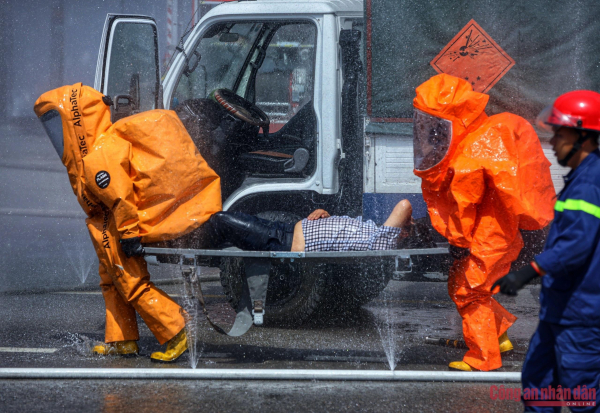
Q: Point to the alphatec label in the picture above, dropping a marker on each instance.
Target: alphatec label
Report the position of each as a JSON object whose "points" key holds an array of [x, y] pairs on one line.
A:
{"points": [[474, 56]]}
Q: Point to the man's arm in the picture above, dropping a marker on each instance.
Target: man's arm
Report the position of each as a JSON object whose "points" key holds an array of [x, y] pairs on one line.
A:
{"points": [[515, 280], [467, 188], [107, 171], [573, 245], [317, 214], [580, 230]]}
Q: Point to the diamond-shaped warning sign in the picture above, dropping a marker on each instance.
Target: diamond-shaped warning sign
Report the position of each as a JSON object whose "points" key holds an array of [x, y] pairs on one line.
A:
{"points": [[474, 56]]}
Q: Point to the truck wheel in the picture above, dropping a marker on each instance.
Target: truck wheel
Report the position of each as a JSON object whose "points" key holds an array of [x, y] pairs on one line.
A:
{"points": [[368, 281], [295, 292], [295, 288], [351, 286]]}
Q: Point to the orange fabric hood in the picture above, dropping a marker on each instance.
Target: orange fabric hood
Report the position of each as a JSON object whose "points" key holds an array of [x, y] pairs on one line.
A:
{"points": [[450, 98], [453, 99], [84, 117]]}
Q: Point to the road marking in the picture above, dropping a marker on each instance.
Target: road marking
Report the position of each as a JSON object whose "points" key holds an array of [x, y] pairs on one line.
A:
{"points": [[100, 293], [27, 350], [42, 213], [414, 302]]}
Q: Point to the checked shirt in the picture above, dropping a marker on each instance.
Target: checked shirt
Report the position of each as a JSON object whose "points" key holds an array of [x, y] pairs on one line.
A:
{"points": [[347, 234]]}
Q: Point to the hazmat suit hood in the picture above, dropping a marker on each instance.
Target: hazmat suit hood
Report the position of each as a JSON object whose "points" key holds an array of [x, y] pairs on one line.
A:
{"points": [[458, 110], [73, 116]]}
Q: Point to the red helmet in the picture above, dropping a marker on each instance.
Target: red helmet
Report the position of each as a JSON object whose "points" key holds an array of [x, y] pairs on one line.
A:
{"points": [[578, 109]]}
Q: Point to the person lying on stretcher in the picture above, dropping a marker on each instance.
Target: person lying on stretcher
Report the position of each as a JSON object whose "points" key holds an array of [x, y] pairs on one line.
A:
{"points": [[318, 232]]}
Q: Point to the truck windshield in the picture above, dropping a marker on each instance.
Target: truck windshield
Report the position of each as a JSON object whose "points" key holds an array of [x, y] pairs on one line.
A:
{"points": [[222, 51]]}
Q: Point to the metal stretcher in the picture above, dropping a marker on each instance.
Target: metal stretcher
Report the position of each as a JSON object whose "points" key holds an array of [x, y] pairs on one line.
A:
{"points": [[251, 307]]}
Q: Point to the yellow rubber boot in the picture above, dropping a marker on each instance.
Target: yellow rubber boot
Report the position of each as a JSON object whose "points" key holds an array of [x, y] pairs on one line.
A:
{"points": [[175, 348], [117, 348], [461, 365], [505, 344]]}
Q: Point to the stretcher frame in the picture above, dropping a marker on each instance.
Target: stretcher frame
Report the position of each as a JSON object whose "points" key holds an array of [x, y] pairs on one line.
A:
{"points": [[251, 308], [200, 255]]}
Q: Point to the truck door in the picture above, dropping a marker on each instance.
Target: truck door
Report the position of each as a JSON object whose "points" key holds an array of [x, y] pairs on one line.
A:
{"points": [[127, 68]]}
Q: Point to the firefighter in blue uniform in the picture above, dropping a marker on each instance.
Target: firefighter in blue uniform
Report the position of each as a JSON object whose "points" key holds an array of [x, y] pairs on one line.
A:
{"points": [[565, 349]]}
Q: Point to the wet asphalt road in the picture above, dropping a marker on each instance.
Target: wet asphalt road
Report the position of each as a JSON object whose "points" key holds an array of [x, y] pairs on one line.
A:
{"points": [[51, 313], [190, 396], [71, 321]]}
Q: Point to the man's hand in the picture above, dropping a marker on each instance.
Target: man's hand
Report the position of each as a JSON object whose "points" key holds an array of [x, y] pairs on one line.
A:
{"points": [[317, 214], [514, 281], [132, 247]]}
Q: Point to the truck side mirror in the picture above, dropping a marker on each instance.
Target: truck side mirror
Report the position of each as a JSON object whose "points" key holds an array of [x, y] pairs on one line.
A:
{"points": [[192, 63]]}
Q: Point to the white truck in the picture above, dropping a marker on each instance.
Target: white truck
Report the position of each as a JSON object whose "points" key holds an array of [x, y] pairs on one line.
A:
{"points": [[301, 105]]}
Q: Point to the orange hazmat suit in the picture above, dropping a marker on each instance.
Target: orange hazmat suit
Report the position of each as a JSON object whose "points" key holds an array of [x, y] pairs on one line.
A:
{"points": [[141, 176], [492, 180]]}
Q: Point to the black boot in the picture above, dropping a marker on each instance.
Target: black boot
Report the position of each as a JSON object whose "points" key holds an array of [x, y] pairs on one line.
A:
{"points": [[249, 232]]}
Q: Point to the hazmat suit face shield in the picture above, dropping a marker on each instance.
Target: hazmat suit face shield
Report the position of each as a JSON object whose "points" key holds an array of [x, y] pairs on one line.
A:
{"points": [[52, 123], [431, 139], [550, 119]]}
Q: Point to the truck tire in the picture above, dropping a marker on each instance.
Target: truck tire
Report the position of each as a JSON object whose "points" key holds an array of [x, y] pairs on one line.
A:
{"points": [[366, 282], [295, 291], [295, 288], [352, 286]]}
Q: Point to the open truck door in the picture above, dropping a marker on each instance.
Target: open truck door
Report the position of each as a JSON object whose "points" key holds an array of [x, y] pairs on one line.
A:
{"points": [[127, 68]]}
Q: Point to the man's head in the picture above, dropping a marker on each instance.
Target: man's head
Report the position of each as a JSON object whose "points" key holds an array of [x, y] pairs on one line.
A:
{"points": [[574, 117], [564, 141]]}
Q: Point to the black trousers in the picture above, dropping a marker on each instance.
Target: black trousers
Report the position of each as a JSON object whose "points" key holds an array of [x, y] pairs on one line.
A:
{"points": [[243, 231]]}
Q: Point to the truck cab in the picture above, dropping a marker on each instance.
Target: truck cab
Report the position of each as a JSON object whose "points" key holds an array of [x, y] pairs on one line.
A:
{"points": [[258, 85]]}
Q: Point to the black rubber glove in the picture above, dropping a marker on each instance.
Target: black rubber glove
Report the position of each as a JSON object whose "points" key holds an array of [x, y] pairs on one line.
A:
{"points": [[132, 247], [514, 281], [457, 252]]}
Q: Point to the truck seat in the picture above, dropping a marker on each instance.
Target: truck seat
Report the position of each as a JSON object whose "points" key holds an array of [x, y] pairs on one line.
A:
{"points": [[289, 151], [274, 162]]}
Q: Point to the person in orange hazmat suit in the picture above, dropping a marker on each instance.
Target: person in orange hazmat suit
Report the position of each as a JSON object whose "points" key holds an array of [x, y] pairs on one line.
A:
{"points": [[483, 179], [138, 180]]}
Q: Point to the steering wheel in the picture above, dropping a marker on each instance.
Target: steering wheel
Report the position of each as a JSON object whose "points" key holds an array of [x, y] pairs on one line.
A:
{"points": [[243, 109]]}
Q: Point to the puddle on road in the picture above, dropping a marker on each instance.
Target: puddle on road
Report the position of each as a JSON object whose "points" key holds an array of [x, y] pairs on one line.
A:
{"points": [[83, 345]]}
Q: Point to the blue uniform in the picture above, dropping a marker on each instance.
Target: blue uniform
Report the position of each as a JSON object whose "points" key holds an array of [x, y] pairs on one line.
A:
{"points": [[565, 349]]}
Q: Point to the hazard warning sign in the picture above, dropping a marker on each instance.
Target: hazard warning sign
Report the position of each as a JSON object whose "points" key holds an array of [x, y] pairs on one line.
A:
{"points": [[474, 56]]}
